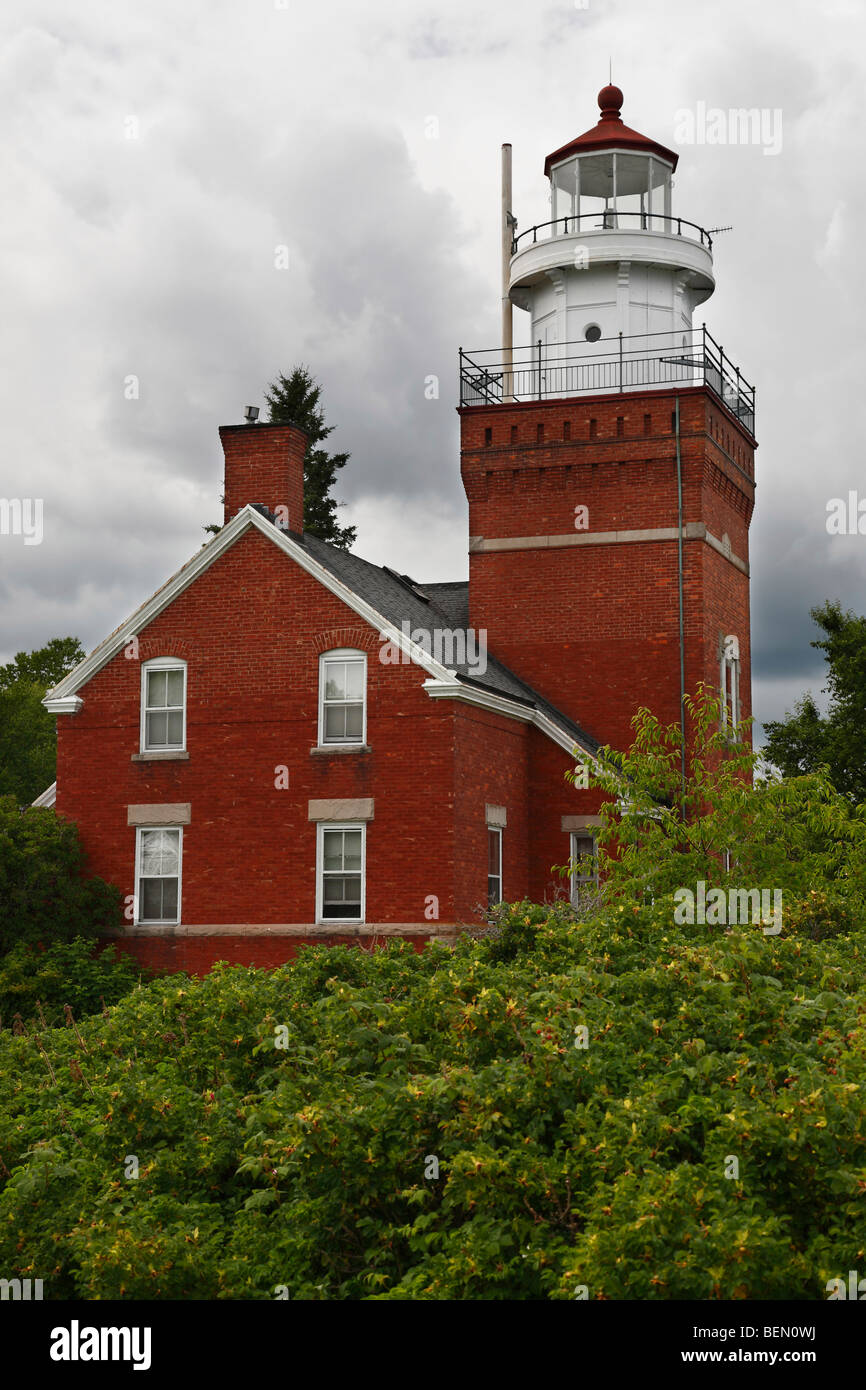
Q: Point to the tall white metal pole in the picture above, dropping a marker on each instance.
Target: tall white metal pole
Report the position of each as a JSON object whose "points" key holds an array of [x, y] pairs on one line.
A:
{"points": [[507, 326]]}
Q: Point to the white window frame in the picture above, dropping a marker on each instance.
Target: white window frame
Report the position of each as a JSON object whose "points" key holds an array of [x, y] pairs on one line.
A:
{"points": [[138, 920], [321, 828], [342, 654], [729, 680], [575, 882], [162, 663], [494, 830]]}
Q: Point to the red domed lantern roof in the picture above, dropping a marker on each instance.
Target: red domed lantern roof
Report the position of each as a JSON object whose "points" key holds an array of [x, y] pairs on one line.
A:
{"points": [[610, 133]]}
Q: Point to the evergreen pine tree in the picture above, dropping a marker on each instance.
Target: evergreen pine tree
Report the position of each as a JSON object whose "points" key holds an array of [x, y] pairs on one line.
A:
{"points": [[294, 400]]}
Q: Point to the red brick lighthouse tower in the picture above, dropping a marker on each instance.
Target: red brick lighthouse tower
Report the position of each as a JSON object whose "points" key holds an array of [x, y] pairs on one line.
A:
{"points": [[609, 462]]}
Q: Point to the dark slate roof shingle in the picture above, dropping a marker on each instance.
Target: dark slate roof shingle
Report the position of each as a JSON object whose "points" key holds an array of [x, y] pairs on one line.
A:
{"points": [[432, 606]]}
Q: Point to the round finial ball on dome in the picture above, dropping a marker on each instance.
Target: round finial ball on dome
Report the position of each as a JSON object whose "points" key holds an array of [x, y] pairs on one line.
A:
{"points": [[610, 101]]}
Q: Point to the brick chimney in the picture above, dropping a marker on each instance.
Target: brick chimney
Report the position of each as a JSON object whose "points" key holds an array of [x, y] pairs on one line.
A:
{"points": [[265, 464]]}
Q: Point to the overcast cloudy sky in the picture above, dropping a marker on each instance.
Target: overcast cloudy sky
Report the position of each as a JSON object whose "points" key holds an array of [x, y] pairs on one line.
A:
{"points": [[153, 156]]}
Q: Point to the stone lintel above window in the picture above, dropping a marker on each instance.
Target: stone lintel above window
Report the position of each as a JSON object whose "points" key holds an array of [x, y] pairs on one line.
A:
{"points": [[496, 816], [165, 813], [580, 822], [341, 809]]}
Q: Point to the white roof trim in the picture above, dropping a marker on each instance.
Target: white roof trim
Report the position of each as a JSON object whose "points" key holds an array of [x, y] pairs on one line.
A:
{"points": [[175, 586], [443, 685], [500, 704], [553, 731], [62, 704], [46, 798]]}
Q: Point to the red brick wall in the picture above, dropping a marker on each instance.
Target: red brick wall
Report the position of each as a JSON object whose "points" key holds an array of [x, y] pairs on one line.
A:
{"points": [[198, 954], [491, 767], [596, 628], [552, 797], [251, 629]]}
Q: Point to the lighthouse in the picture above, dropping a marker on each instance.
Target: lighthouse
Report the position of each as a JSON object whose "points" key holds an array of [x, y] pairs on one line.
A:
{"points": [[608, 453], [613, 259]]}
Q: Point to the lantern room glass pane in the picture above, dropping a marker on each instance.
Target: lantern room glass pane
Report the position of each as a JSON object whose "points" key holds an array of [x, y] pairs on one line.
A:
{"points": [[614, 184], [564, 186], [632, 183], [596, 184], [660, 190]]}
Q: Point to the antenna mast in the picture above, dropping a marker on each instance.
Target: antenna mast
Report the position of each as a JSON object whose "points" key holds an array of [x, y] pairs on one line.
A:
{"points": [[507, 237]]}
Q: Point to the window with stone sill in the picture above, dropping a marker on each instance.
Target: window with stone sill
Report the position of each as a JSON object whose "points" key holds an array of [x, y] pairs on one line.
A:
{"points": [[584, 870], [342, 698], [494, 865], [157, 874], [730, 685], [163, 705], [340, 876]]}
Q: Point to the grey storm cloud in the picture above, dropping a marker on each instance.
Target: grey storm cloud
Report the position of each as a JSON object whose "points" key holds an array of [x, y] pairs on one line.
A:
{"points": [[155, 160]]}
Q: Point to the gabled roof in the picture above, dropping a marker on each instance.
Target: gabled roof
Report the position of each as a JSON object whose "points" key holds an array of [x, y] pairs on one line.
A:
{"points": [[391, 603], [447, 606]]}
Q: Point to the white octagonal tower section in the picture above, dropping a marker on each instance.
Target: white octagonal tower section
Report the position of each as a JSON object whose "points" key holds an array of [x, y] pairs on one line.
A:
{"points": [[614, 259]]}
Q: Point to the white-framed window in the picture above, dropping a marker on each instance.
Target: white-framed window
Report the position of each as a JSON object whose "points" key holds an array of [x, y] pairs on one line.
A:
{"points": [[584, 865], [341, 871], [730, 683], [163, 705], [342, 697], [158, 855], [494, 865]]}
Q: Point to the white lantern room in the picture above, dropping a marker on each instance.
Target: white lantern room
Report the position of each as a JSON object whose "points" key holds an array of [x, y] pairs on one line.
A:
{"points": [[614, 258]]}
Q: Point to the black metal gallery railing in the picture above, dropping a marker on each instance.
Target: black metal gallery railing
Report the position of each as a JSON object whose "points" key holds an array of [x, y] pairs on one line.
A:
{"points": [[634, 363], [610, 221]]}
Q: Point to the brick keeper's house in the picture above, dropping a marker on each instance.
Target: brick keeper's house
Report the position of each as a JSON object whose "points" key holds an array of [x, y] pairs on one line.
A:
{"points": [[288, 744]]}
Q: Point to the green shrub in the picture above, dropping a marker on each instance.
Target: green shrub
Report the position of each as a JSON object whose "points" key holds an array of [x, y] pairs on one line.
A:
{"points": [[38, 984], [559, 1165], [820, 914], [602, 1101], [514, 926], [44, 895], [660, 832]]}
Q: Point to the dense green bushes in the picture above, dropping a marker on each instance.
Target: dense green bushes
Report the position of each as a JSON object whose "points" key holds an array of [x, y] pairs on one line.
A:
{"points": [[612, 1107], [44, 896], [560, 1165], [660, 833], [39, 984]]}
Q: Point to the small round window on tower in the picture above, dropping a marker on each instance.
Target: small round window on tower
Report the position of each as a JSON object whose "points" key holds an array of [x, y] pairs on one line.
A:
{"points": [[592, 333]]}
